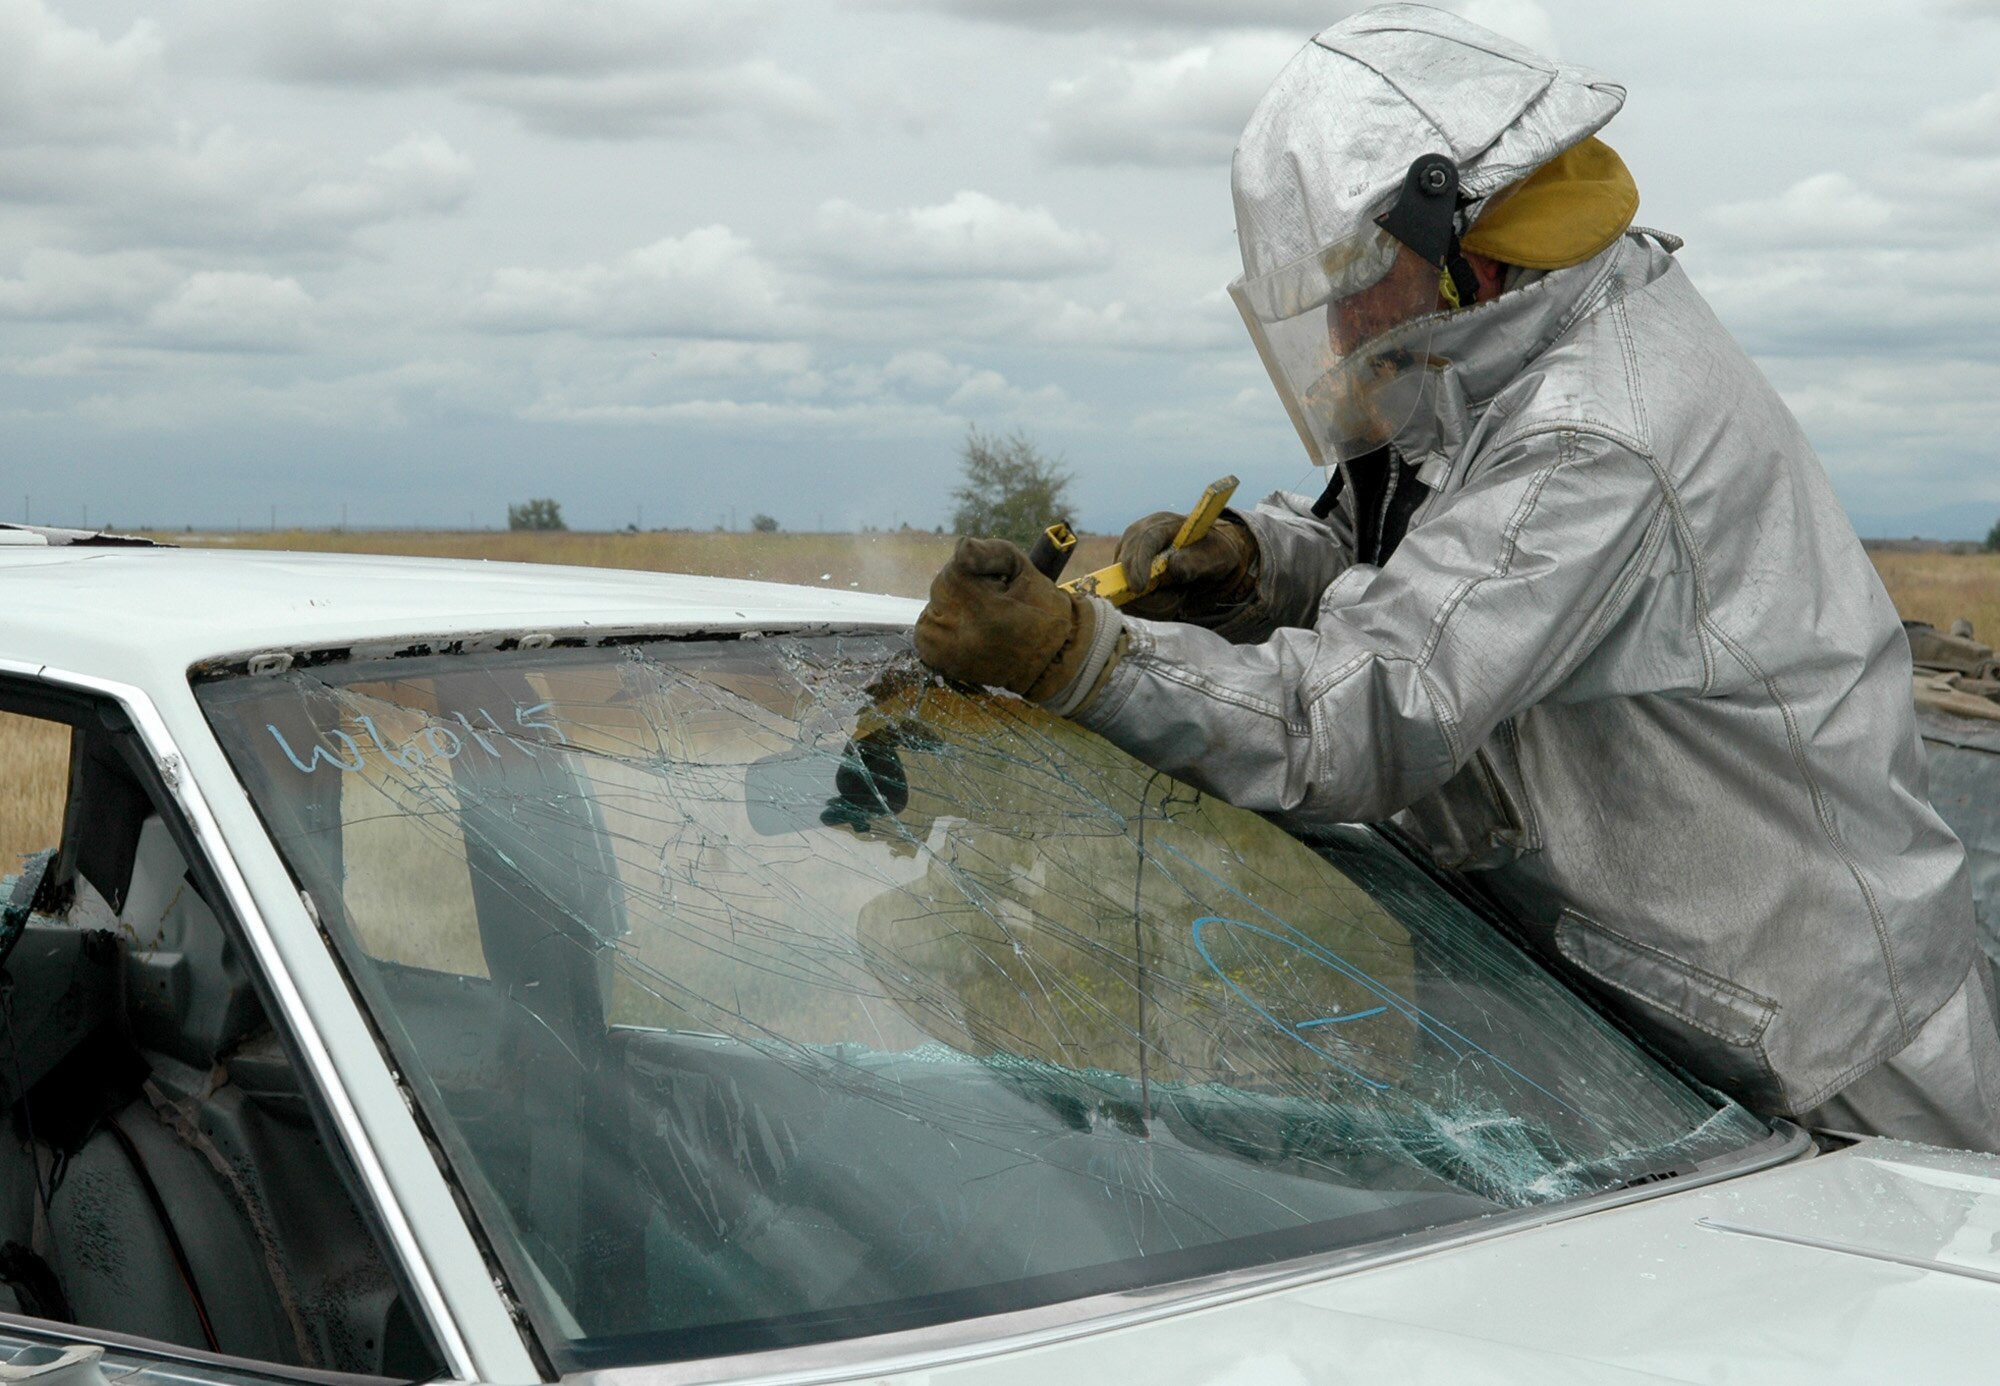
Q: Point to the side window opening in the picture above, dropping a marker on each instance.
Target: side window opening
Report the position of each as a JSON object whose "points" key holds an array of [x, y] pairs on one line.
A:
{"points": [[162, 1172]]}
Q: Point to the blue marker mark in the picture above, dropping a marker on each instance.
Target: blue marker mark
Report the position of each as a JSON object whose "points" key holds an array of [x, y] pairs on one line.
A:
{"points": [[1459, 1044], [1289, 935], [1339, 1019], [350, 762], [434, 741], [1310, 949]]}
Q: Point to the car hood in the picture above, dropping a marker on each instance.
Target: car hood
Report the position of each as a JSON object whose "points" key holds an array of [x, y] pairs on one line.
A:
{"points": [[1877, 1263]]}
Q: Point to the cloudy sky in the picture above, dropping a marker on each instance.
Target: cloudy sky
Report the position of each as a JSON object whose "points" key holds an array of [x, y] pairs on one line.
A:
{"points": [[678, 261]]}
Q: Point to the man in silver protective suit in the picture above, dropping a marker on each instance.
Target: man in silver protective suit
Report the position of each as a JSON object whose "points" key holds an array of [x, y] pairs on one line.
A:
{"points": [[1578, 606]]}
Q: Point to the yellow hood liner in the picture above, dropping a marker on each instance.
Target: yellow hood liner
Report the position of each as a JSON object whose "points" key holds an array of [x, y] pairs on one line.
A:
{"points": [[1561, 214]]}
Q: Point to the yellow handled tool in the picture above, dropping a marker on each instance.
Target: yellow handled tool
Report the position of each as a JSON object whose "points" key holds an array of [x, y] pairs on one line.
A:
{"points": [[1110, 584]]}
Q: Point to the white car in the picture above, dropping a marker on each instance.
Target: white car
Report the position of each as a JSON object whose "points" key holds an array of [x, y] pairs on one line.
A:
{"points": [[501, 973]]}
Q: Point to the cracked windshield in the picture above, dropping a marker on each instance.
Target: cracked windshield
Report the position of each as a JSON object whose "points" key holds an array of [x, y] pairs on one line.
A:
{"points": [[768, 990]]}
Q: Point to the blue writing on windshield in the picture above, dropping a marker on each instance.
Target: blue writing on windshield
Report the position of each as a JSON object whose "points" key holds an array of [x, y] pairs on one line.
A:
{"points": [[348, 753]]}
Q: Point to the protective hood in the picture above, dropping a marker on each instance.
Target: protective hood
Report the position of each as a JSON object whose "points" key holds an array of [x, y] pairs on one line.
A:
{"points": [[1327, 151], [1328, 146]]}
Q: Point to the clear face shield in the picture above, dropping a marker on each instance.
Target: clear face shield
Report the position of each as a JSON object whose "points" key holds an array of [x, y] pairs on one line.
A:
{"points": [[1346, 332]]}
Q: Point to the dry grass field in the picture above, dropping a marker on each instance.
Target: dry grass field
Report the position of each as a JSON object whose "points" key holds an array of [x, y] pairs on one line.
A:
{"points": [[1941, 587], [1934, 587], [34, 766], [895, 561]]}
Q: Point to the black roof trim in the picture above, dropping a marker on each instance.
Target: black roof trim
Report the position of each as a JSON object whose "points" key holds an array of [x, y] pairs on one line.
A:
{"points": [[90, 538]]}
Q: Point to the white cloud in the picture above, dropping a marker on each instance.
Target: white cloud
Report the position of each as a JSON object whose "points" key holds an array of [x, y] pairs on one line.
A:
{"points": [[63, 84], [77, 361], [973, 236], [1155, 323], [953, 385], [1227, 402], [752, 387], [628, 105], [420, 173], [391, 397], [1187, 107], [1899, 304], [227, 310], [1900, 433], [1826, 209], [581, 68], [1851, 290], [755, 417], [1524, 21], [1044, 292], [61, 285], [1968, 127], [1302, 16], [708, 283], [222, 188], [210, 228], [389, 43], [708, 361], [91, 147]]}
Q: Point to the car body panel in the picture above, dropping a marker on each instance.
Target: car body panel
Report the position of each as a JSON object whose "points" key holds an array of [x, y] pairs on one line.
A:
{"points": [[179, 606], [1776, 1277], [1718, 1284]]}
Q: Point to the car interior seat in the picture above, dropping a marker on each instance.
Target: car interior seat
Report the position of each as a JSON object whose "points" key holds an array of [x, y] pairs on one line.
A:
{"points": [[169, 1180]]}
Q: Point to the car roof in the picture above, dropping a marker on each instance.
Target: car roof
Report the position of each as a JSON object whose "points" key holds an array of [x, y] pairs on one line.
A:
{"points": [[133, 613]]}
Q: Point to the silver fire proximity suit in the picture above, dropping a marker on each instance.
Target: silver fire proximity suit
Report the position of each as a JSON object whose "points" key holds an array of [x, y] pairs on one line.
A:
{"points": [[1623, 657]]}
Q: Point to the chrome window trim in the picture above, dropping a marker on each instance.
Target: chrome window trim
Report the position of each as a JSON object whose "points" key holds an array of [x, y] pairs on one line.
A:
{"points": [[170, 764], [967, 1340]]}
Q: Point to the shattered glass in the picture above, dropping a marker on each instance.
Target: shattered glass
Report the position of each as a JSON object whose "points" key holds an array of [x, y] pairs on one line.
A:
{"points": [[767, 991]]}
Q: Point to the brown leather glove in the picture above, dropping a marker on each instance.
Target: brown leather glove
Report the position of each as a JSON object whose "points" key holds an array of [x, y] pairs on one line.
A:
{"points": [[992, 619], [1204, 583]]}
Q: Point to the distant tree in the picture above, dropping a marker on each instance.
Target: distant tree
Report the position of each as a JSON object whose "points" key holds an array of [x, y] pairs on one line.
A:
{"points": [[542, 513], [1993, 538], [763, 524], [1011, 490]]}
